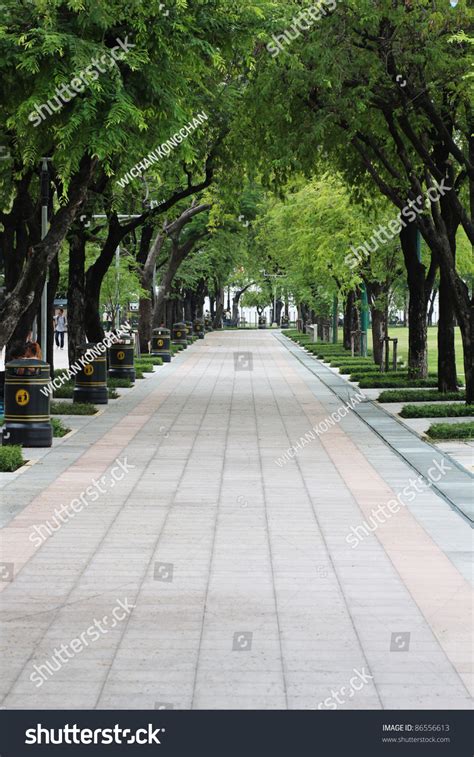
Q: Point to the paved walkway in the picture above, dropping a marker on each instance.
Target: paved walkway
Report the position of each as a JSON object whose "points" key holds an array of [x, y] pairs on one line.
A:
{"points": [[246, 589]]}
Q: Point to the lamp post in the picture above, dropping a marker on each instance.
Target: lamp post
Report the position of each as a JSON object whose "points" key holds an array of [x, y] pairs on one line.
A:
{"points": [[364, 319], [335, 319], [44, 231], [117, 287]]}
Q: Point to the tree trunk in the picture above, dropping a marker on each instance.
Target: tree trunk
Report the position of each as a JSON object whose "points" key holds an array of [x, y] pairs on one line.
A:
{"points": [[376, 291], [42, 254], [217, 323], [25, 323], [94, 278], [459, 293], [431, 307], [164, 288], [145, 309], [417, 305], [145, 306], [379, 332], [235, 303], [200, 297], [76, 294], [48, 355], [349, 307], [447, 379], [279, 308], [188, 307]]}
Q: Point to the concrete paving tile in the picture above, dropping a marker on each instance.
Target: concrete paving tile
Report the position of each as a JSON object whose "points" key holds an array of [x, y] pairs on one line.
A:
{"points": [[246, 591]]}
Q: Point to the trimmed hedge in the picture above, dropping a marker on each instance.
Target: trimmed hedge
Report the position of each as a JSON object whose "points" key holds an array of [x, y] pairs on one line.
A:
{"points": [[359, 369], [437, 411], [384, 382], [348, 360], [61, 372], [119, 383], [11, 458], [451, 430], [420, 396], [72, 408], [64, 392], [67, 392], [154, 359], [395, 375]]}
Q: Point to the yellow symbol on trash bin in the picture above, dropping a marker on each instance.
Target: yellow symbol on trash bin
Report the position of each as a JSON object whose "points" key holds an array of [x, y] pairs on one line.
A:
{"points": [[120, 355], [160, 342], [22, 397], [178, 334], [88, 369]]}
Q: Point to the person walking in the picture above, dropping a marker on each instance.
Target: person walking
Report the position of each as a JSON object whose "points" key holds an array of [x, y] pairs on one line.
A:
{"points": [[60, 327]]}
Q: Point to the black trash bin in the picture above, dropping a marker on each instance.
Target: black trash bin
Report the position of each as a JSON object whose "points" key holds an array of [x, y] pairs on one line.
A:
{"points": [[122, 358], [179, 334], [161, 344], [262, 322], [91, 381], [208, 324], [189, 331], [199, 328], [285, 322], [27, 418]]}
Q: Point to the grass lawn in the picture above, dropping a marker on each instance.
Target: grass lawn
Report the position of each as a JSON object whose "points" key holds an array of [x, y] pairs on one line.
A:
{"points": [[401, 333]]}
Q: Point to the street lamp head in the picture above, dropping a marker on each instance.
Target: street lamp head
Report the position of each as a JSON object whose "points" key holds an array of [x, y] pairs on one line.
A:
{"points": [[453, 3]]}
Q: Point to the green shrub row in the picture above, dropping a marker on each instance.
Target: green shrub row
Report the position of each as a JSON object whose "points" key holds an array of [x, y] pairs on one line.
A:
{"points": [[72, 408], [66, 392], [337, 362], [119, 383], [397, 382], [421, 395], [391, 376], [448, 410], [366, 369], [154, 359], [451, 430]]}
